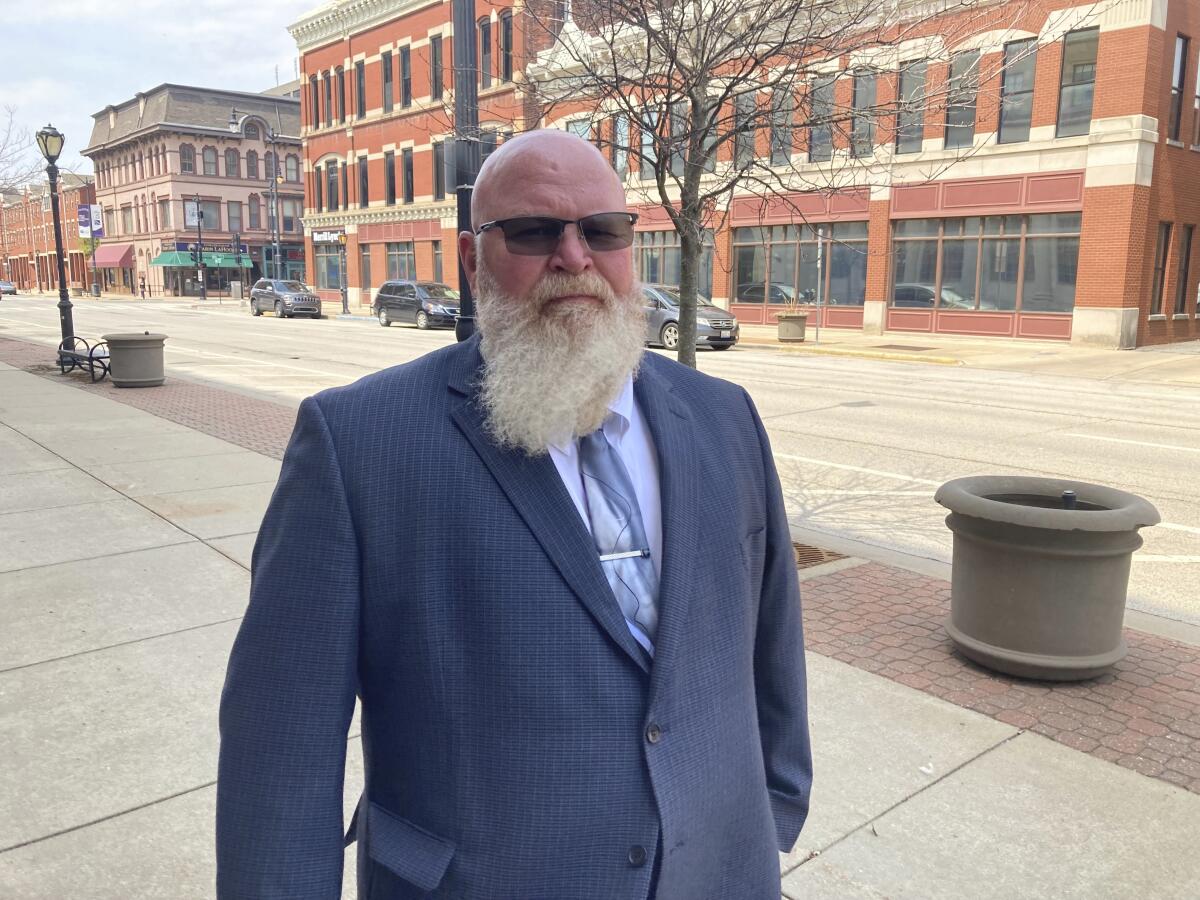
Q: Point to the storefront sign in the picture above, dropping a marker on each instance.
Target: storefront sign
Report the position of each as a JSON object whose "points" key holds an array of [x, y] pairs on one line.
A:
{"points": [[225, 247], [327, 237], [91, 221]]}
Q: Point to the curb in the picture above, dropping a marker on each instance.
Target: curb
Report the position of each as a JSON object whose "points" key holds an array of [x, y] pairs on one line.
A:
{"points": [[857, 354]]}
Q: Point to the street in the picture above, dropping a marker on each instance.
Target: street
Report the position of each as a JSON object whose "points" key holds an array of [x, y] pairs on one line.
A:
{"points": [[860, 444]]}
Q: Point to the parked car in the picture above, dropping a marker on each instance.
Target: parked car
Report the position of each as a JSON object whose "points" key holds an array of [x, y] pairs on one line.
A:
{"points": [[7, 287], [286, 298], [424, 303], [715, 327], [921, 296], [775, 292]]}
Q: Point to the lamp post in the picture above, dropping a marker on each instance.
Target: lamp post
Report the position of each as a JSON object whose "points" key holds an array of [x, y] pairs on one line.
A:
{"points": [[466, 145], [50, 141], [237, 121], [201, 274], [342, 278]]}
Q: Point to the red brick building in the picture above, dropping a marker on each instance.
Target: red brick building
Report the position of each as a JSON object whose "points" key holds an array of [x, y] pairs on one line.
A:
{"points": [[1064, 204], [27, 253]]}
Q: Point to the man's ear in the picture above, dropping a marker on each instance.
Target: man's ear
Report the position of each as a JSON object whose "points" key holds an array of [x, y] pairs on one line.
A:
{"points": [[466, 253]]}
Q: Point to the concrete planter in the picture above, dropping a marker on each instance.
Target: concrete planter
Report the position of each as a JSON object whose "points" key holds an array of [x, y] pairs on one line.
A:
{"points": [[136, 360], [792, 326], [1039, 577]]}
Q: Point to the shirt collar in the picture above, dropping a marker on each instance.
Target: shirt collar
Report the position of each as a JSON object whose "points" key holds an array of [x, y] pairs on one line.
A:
{"points": [[619, 419]]}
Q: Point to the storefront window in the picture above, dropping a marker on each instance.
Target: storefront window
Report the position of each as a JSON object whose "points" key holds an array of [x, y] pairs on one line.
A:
{"points": [[657, 256], [787, 263], [328, 260], [401, 260]]}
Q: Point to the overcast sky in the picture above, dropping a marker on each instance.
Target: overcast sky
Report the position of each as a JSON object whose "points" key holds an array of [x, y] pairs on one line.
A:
{"points": [[63, 60]]}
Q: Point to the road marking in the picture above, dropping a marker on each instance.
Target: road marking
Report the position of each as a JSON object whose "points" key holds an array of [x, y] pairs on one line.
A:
{"points": [[865, 471], [1096, 437], [1150, 557], [1190, 529], [837, 493], [208, 354]]}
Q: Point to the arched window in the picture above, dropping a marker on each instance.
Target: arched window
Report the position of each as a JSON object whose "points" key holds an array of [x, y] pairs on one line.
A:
{"points": [[485, 52], [154, 205], [292, 168], [252, 132], [269, 165], [252, 164], [210, 160], [254, 209], [187, 159], [233, 164]]}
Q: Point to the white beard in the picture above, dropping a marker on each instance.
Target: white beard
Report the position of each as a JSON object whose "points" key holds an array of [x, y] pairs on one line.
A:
{"points": [[550, 374]]}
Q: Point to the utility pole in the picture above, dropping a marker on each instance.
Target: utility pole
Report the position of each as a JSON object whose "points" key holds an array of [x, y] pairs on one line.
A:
{"points": [[200, 272], [466, 146]]}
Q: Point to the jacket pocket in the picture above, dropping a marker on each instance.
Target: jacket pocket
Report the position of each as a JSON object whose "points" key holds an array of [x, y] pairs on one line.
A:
{"points": [[408, 850]]}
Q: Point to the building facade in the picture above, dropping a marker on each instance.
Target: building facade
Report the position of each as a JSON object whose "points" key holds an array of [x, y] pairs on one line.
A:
{"points": [[1057, 199], [28, 257], [179, 167]]}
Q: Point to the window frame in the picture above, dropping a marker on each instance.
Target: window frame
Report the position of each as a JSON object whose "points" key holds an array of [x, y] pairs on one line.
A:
{"points": [[388, 74], [360, 90], [1030, 45], [406, 166], [1183, 273], [1078, 36], [364, 182], [1162, 255], [863, 128], [206, 159], [389, 178], [436, 64], [1183, 45], [406, 91], [438, 152], [964, 69], [483, 32], [506, 46]]}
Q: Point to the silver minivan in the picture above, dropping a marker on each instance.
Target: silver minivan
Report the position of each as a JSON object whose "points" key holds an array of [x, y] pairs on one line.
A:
{"points": [[715, 327]]}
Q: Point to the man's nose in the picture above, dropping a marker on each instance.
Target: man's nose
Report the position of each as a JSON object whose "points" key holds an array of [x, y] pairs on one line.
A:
{"points": [[572, 254]]}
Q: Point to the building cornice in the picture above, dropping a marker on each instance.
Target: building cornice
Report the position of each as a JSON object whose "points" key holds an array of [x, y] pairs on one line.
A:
{"points": [[341, 18], [179, 128], [385, 215]]}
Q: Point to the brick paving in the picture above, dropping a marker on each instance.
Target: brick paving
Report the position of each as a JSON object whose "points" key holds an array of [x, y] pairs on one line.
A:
{"points": [[1145, 715]]}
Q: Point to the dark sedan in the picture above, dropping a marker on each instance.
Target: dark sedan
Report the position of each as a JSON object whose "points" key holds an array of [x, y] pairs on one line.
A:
{"points": [[285, 298], [715, 327], [7, 287]]}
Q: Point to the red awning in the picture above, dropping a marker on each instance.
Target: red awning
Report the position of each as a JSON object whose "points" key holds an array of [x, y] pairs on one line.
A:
{"points": [[114, 256]]}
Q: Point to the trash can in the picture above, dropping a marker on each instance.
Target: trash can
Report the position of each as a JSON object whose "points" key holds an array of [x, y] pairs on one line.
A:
{"points": [[136, 360]]}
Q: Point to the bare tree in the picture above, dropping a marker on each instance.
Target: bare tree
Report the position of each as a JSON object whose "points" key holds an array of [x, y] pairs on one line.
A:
{"points": [[761, 98], [19, 162]]}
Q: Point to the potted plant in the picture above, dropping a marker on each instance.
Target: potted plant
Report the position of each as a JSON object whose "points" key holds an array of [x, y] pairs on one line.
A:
{"points": [[792, 321]]}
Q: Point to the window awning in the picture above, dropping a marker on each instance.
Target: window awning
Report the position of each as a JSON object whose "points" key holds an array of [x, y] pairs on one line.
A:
{"points": [[185, 260], [114, 256]]}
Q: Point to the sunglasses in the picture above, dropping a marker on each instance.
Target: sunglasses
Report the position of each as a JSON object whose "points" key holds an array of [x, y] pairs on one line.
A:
{"points": [[539, 235]]}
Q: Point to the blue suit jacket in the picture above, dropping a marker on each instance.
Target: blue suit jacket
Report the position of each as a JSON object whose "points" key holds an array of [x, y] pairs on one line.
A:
{"points": [[506, 709]]}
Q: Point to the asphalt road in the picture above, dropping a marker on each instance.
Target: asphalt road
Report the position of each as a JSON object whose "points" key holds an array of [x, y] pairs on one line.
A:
{"points": [[861, 445]]}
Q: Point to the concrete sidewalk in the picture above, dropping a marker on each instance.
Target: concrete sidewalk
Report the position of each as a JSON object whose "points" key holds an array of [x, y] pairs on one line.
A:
{"points": [[126, 524]]}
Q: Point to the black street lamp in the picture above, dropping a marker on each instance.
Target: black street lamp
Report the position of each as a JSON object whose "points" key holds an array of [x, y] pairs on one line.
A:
{"points": [[342, 277], [50, 141], [201, 271], [466, 145], [274, 178]]}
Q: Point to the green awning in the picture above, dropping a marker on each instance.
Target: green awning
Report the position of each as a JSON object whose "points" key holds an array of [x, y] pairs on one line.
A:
{"points": [[184, 260]]}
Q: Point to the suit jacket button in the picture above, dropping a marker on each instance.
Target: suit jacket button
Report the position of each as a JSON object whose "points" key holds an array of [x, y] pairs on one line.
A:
{"points": [[653, 733], [637, 856]]}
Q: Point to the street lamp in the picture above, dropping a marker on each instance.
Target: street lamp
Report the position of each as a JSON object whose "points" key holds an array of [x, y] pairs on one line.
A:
{"points": [[50, 141], [236, 122], [342, 269]]}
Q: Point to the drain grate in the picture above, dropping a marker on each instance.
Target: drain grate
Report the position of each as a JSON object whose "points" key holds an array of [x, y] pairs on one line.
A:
{"points": [[901, 347], [808, 556]]}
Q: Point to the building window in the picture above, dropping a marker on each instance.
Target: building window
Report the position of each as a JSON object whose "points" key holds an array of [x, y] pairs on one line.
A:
{"points": [[233, 212], [331, 182], [649, 160], [255, 211], [341, 94], [209, 157], [485, 52], [619, 148], [1178, 77], [406, 94], [439, 170], [435, 67], [187, 159], [437, 260], [862, 125], [210, 212], [1160, 268], [319, 185], [820, 134], [1006, 263], [269, 165], [389, 178], [252, 165], [251, 131], [232, 164], [328, 98], [314, 102], [164, 214], [679, 137], [293, 209], [385, 68], [744, 110], [1077, 82], [364, 267], [360, 90], [910, 114], [1185, 266], [782, 264], [327, 260], [126, 220], [406, 157], [960, 107], [581, 128], [364, 192], [781, 128], [506, 45], [401, 260], [1016, 91], [291, 168], [657, 260]]}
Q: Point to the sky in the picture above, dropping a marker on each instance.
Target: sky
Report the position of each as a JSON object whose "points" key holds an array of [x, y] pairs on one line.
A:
{"points": [[64, 60]]}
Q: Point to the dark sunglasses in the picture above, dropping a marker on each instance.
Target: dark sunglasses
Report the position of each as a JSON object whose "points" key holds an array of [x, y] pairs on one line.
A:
{"points": [[539, 235]]}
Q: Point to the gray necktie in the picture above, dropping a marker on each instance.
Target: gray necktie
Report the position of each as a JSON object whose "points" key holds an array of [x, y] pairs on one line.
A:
{"points": [[619, 535]]}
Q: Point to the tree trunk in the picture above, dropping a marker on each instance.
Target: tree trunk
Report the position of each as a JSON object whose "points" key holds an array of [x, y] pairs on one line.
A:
{"points": [[689, 272]]}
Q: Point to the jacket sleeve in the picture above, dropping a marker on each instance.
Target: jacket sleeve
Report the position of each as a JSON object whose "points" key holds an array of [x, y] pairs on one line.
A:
{"points": [[779, 672], [290, 686]]}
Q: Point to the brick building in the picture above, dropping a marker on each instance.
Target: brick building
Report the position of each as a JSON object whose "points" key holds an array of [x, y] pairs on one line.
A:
{"points": [[238, 153], [28, 257], [1063, 201]]}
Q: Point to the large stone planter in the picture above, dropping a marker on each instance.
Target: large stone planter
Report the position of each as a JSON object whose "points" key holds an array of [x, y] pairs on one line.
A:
{"points": [[1038, 589], [792, 326], [136, 360]]}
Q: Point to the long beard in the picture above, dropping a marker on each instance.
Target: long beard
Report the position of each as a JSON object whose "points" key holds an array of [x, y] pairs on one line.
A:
{"points": [[550, 373]]}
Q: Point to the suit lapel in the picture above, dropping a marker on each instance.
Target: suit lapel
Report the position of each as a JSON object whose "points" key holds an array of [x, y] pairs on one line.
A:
{"points": [[674, 436], [534, 488]]}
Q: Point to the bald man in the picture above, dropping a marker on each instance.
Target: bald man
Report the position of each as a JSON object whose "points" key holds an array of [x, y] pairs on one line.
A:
{"points": [[555, 570]]}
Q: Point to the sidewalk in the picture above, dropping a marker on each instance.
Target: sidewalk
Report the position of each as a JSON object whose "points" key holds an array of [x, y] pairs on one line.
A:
{"points": [[127, 519]]}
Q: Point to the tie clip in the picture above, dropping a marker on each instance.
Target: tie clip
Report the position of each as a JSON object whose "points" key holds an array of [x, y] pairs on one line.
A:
{"points": [[631, 554]]}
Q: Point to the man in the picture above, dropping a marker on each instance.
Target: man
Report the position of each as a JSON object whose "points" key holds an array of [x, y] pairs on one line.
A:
{"points": [[559, 577]]}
